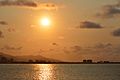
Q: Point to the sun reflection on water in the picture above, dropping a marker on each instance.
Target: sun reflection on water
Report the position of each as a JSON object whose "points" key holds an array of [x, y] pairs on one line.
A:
{"points": [[45, 72]]}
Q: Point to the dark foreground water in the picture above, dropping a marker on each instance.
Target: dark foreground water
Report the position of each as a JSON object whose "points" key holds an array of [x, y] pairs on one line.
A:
{"points": [[60, 72]]}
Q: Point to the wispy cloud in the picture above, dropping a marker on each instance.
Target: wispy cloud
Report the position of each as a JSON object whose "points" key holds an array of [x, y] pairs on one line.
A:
{"points": [[26, 3], [3, 23], [49, 6], [102, 46], [11, 29], [54, 44], [116, 33], [1, 34], [76, 48], [99, 51], [7, 47], [110, 10], [31, 4], [90, 25]]}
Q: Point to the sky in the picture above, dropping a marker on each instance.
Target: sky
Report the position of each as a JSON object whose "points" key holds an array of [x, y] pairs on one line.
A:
{"points": [[77, 29]]}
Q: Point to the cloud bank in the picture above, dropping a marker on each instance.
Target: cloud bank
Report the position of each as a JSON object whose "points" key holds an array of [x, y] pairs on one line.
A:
{"points": [[30, 4], [3, 23], [110, 10], [90, 25], [116, 33], [54, 44], [26, 3], [98, 51], [11, 48], [49, 6]]}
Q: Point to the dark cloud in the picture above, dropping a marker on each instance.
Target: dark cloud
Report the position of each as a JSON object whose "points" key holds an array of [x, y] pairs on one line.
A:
{"points": [[11, 29], [110, 10], [29, 3], [11, 48], [1, 34], [97, 48], [76, 48], [50, 6], [54, 44], [3, 23], [90, 25], [116, 33], [26, 3], [103, 45]]}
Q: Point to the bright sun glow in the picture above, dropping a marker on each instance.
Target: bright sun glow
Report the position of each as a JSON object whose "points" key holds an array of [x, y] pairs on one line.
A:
{"points": [[45, 22]]}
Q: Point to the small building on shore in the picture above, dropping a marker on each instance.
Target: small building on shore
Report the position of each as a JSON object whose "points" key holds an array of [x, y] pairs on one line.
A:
{"points": [[87, 61]]}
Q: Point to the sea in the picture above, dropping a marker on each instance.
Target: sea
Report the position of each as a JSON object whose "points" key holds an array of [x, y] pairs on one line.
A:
{"points": [[59, 71]]}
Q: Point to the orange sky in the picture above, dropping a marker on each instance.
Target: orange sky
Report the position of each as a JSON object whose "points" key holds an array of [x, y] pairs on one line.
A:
{"points": [[78, 29]]}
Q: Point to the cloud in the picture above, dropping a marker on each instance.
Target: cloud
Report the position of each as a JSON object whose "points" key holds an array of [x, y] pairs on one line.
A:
{"points": [[103, 45], [76, 48], [26, 3], [90, 25], [1, 34], [50, 6], [11, 48], [99, 51], [41, 51], [3, 23], [95, 49], [54, 44], [73, 49], [29, 3], [110, 10], [11, 29], [116, 33]]}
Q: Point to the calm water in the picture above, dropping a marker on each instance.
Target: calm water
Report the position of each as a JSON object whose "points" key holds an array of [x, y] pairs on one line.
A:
{"points": [[59, 72]]}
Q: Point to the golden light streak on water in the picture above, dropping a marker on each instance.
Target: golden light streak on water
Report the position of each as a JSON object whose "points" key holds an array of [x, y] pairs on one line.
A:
{"points": [[45, 72]]}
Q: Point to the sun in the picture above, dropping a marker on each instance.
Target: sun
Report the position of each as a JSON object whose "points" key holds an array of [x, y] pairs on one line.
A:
{"points": [[45, 22]]}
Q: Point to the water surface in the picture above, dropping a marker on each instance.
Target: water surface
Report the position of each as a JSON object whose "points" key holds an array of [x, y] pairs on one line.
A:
{"points": [[59, 72]]}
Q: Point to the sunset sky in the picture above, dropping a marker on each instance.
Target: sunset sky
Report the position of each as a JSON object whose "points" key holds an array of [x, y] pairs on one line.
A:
{"points": [[70, 30]]}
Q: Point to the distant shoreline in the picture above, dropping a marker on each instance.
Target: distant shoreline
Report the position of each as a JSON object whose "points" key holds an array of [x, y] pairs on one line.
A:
{"points": [[58, 63]]}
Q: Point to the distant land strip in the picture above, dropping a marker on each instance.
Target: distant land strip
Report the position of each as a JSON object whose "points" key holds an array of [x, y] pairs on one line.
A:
{"points": [[56, 63]]}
